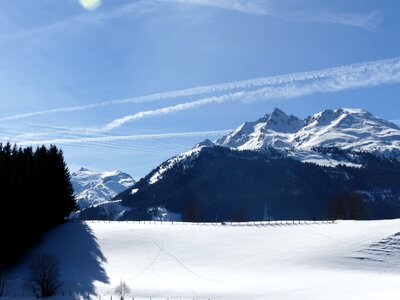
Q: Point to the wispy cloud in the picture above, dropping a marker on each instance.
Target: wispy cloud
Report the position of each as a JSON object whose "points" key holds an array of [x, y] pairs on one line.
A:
{"points": [[242, 6], [125, 137], [377, 72], [367, 21], [293, 85], [134, 9]]}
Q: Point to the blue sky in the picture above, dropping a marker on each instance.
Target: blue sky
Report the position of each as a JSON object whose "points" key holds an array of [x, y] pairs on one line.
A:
{"points": [[113, 86]]}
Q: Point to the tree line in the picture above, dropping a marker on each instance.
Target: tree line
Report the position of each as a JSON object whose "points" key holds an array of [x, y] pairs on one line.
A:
{"points": [[35, 195]]}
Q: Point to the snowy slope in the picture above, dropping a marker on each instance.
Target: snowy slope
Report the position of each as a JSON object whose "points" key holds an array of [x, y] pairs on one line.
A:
{"points": [[93, 188], [343, 128], [346, 129], [346, 260]]}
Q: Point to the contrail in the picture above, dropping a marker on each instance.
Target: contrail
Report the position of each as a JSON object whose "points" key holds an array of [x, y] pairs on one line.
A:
{"points": [[125, 137], [387, 67], [170, 109], [347, 79]]}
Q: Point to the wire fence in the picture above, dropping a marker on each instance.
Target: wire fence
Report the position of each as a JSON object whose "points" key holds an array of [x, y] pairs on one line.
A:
{"points": [[247, 223], [91, 296]]}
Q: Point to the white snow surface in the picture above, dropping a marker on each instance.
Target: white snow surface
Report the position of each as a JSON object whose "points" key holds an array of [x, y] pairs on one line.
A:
{"points": [[345, 260], [92, 188], [345, 128]]}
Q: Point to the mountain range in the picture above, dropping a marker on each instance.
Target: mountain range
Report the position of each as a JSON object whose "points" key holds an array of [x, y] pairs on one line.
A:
{"points": [[346, 129], [279, 166], [93, 188]]}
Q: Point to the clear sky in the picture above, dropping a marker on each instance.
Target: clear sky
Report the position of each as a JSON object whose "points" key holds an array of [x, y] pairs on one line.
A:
{"points": [[112, 82]]}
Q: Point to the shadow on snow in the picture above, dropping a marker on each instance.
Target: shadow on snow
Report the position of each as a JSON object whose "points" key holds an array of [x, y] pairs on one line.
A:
{"points": [[81, 260]]}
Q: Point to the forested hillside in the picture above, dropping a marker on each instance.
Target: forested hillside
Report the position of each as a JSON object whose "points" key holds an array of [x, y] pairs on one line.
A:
{"points": [[216, 183]]}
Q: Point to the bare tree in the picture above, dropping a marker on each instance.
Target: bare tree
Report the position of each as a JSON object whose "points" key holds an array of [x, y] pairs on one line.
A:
{"points": [[122, 289], [43, 277]]}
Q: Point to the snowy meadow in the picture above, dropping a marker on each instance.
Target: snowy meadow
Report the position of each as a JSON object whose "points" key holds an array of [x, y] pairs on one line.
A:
{"points": [[345, 259]]}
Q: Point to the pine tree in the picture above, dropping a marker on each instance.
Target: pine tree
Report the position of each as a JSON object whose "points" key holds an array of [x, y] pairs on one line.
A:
{"points": [[36, 192]]}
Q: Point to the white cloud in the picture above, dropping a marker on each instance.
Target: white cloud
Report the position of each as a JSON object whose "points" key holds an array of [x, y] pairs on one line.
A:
{"points": [[377, 72], [362, 75], [243, 6], [125, 137], [368, 21], [81, 21], [293, 85], [170, 109]]}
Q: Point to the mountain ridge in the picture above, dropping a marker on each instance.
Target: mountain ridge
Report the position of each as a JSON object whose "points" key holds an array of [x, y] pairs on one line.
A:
{"points": [[277, 167], [344, 128], [93, 188]]}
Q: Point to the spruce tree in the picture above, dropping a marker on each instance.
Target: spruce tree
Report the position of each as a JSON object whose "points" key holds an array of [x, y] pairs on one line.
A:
{"points": [[35, 195]]}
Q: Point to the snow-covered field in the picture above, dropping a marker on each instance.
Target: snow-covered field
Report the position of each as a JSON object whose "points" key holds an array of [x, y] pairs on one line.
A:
{"points": [[345, 260]]}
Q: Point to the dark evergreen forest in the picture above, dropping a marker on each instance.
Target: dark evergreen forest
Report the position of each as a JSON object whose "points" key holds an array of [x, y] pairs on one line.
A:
{"points": [[35, 195]]}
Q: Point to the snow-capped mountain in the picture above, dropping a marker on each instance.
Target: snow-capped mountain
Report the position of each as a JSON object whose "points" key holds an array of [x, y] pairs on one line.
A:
{"points": [[346, 129], [93, 188], [258, 172]]}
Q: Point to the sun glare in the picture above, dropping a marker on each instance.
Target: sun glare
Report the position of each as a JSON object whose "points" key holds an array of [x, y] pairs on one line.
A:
{"points": [[90, 4]]}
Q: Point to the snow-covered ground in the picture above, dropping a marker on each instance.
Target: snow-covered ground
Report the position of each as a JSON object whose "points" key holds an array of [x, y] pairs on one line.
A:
{"points": [[345, 260]]}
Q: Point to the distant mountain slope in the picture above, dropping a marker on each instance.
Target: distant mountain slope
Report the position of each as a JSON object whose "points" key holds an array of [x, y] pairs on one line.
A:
{"points": [[278, 167], [224, 184], [93, 188]]}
